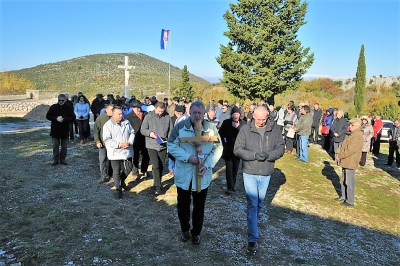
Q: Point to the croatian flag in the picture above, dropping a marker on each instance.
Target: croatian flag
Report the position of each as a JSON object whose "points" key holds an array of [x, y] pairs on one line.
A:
{"points": [[164, 38]]}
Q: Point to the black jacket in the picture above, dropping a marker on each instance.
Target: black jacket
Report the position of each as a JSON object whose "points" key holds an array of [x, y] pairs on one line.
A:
{"points": [[136, 124], [317, 115], [228, 136], [249, 142], [60, 129], [339, 126], [97, 105]]}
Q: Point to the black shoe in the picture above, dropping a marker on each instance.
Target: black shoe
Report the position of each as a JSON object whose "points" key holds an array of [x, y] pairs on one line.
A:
{"points": [[346, 204], [54, 163], [64, 163], [159, 192], [251, 247], [119, 193], [233, 190], [185, 236], [104, 180], [339, 199], [196, 240], [124, 186], [228, 192], [387, 164]]}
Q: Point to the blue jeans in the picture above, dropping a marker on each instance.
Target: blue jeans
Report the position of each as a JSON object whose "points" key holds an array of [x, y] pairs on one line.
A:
{"points": [[256, 187], [303, 148]]}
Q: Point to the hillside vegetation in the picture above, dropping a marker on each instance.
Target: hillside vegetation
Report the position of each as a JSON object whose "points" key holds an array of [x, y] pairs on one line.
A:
{"points": [[100, 73]]}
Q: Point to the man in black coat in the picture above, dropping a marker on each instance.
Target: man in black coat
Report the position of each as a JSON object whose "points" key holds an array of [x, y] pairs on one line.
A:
{"points": [[97, 105], [317, 115], [139, 144], [228, 133], [61, 116]]}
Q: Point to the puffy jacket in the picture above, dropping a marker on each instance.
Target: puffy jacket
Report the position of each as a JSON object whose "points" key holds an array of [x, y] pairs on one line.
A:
{"points": [[161, 125], [249, 142], [351, 149], [185, 172], [113, 135], [82, 109], [327, 119]]}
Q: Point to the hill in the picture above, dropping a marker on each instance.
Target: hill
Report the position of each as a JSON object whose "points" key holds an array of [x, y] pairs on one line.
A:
{"points": [[100, 73]]}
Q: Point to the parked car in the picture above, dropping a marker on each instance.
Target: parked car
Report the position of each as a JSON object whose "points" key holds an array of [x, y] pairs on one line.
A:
{"points": [[386, 126]]}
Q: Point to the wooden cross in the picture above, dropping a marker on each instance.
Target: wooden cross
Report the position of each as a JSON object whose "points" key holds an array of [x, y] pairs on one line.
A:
{"points": [[127, 67], [197, 143]]}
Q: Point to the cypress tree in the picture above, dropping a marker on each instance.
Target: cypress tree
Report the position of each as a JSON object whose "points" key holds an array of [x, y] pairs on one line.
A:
{"points": [[184, 88], [359, 91], [263, 56]]}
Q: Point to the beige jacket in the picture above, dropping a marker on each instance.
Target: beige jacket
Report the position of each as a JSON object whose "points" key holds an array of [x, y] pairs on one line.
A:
{"points": [[351, 149]]}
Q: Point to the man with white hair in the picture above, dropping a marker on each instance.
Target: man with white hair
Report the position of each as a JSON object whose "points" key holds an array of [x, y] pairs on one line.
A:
{"points": [[349, 157]]}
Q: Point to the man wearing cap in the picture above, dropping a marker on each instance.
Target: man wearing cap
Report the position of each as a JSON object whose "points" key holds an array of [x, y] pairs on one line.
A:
{"points": [[228, 133], [348, 157], [136, 118]]}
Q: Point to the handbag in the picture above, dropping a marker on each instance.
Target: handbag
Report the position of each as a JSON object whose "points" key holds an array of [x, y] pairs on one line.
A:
{"points": [[290, 133], [324, 130]]}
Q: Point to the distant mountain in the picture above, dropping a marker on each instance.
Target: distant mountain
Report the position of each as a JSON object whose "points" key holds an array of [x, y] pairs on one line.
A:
{"points": [[99, 73]]}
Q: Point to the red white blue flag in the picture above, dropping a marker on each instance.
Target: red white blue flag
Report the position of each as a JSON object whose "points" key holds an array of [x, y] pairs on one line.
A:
{"points": [[164, 38]]}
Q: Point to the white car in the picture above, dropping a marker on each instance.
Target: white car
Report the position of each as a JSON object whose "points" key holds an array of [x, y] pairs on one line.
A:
{"points": [[386, 126]]}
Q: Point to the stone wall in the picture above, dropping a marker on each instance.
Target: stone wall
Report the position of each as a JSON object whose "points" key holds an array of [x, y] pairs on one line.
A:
{"points": [[40, 94]]}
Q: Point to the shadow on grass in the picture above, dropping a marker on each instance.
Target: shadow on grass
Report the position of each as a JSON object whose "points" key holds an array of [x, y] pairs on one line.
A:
{"points": [[329, 172], [60, 214], [379, 162]]}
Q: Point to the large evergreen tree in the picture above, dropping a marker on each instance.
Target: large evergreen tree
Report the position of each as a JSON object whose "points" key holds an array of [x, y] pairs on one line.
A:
{"points": [[184, 88], [263, 56], [359, 91]]}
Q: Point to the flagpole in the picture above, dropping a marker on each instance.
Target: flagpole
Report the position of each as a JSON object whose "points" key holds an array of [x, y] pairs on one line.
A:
{"points": [[169, 67]]}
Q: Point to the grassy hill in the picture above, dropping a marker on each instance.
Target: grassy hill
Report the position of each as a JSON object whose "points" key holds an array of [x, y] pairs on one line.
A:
{"points": [[100, 73]]}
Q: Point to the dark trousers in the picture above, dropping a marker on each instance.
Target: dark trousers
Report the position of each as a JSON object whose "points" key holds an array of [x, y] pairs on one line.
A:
{"points": [[377, 145], [232, 166], [157, 161], [105, 164], [289, 142], [83, 127], [145, 159], [314, 134], [121, 169], [327, 143], [363, 159], [71, 131], [183, 205], [59, 156], [393, 150], [348, 185]]}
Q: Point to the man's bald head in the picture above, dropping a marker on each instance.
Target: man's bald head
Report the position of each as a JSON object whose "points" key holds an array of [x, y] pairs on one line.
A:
{"points": [[260, 116]]}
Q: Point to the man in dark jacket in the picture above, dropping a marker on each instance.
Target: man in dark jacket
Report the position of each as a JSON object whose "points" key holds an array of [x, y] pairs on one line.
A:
{"points": [[228, 132], [394, 143], [259, 145], [61, 116], [338, 130], [156, 127], [97, 105], [317, 115], [136, 118], [105, 164]]}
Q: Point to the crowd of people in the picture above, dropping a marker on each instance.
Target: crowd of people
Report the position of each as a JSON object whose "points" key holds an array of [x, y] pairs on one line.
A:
{"points": [[189, 138]]}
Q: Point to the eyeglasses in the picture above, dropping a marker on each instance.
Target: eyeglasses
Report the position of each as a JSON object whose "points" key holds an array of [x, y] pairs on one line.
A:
{"points": [[61, 100]]}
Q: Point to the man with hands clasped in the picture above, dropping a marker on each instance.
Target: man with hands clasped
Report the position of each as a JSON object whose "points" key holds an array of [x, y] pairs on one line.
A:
{"points": [[259, 145]]}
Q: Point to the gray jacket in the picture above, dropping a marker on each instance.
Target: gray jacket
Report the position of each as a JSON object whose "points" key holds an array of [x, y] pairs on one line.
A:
{"points": [[304, 125], [339, 126], [113, 135], [249, 142], [161, 125]]}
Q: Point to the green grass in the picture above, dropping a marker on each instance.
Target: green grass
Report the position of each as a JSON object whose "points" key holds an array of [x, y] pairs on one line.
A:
{"points": [[53, 215]]}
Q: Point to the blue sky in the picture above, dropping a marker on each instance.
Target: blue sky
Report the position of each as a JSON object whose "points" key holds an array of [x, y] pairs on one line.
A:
{"points": [[38, 32]]}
